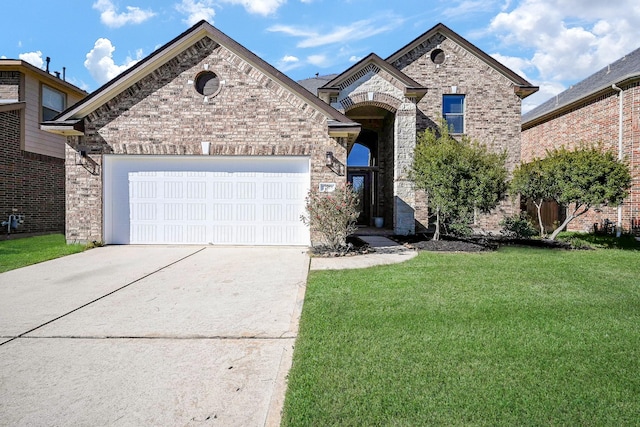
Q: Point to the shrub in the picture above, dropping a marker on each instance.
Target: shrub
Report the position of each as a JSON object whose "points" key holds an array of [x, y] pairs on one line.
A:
{"points": [[332, 215], [517, 226]]}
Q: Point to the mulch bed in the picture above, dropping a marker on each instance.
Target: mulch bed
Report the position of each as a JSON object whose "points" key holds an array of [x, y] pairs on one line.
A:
{"points": [[425, 242]]}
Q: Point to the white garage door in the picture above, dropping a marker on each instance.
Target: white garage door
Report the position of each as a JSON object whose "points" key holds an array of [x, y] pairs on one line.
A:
{"points": [[205, 200]]}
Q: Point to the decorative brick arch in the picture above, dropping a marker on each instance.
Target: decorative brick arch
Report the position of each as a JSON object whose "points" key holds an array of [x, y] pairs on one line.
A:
{"points": [[381, 100]]}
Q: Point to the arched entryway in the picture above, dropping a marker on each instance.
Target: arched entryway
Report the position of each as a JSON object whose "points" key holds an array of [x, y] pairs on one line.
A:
{"points": [[370, 163]]}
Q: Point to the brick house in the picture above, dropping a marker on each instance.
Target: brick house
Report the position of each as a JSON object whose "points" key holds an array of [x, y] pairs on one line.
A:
{"points": [[31, 160], [204, 142], [603, 108]]}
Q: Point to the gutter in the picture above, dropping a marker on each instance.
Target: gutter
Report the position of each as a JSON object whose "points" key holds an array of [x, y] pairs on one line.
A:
{"points": [[620, 122]]}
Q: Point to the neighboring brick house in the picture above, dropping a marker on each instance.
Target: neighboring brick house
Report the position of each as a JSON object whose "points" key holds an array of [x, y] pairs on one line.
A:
{"points": [[204, 142], [604, 108], [31, 160]]}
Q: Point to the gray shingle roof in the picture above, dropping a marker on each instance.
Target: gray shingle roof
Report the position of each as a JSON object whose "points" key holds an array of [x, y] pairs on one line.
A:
{"points": [[622, 69], [314, 83]]}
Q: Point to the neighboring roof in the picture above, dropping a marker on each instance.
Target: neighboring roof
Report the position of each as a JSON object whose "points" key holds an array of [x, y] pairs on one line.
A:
{"points": [[11, 106], [523, 87], [624, 69], [20, 65], [412, 88], [314, 83], [167, 52]]}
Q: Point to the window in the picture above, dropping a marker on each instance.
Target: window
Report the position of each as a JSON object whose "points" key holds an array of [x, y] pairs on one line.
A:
{"points": [[207, 83], [53, 103], [453, 112]]}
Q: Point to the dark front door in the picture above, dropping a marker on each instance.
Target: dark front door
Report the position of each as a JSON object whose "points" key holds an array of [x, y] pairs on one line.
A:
{"points": [[361, 181]]}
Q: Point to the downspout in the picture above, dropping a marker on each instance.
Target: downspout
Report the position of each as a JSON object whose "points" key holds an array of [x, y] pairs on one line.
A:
{"points": [[620, 113]]}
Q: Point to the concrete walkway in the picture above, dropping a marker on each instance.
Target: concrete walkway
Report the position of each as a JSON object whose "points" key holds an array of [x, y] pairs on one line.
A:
{"points": [[135, 335], [386, 252]]}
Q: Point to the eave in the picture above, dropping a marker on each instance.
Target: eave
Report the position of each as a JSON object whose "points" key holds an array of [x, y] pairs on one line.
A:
{"points": [[12, 106], [64, 128], [350, 131], [572, 105]]}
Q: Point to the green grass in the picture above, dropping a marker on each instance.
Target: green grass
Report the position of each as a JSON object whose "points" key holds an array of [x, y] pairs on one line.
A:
{"points": [[31, 250], [600, 241], [515, 337]]}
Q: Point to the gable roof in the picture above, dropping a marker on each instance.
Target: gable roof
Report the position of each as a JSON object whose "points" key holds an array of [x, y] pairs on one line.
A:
{"points": [[167, 52], [412, 88], [523, 87], [624, 69]]}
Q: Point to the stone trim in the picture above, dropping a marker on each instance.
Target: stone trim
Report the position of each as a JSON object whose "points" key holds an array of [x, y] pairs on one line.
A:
{"points": [[382, 100]]}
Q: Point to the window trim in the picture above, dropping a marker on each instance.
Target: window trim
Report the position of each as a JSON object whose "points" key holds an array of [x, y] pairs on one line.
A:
{"points": [[462, 114]]}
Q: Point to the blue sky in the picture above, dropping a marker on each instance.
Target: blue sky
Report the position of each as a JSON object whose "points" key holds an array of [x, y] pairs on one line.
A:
{"points": [[552, 43]]}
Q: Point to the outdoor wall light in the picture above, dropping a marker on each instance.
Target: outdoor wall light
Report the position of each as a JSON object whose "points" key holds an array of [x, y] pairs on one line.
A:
{"points": [[206, 146], [334, 164]]}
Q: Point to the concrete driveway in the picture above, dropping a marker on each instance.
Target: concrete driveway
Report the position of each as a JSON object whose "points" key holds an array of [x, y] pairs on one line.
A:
{"points": [[150, 335]]}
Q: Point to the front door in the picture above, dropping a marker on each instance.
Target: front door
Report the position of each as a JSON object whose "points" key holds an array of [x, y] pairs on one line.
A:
{"points": [[362, 184]]}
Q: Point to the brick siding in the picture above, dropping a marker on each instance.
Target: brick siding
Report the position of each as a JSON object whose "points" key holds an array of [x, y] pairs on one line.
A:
{"points": [[33, 184], [595, 121]]}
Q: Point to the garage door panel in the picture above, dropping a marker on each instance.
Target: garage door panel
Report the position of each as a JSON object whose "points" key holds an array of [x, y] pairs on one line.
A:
{"points": [[220, 200]]}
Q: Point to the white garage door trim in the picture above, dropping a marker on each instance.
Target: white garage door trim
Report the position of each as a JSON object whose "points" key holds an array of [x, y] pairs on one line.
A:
{"points": [[233, 200]]}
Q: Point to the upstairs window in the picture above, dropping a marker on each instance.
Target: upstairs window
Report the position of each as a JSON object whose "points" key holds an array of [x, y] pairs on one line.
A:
{"points": [[453, 112], [53, 103]]}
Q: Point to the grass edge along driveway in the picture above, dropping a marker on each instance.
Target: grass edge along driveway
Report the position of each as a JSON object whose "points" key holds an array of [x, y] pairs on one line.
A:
{"points": [[514, 337], [20, 252]]}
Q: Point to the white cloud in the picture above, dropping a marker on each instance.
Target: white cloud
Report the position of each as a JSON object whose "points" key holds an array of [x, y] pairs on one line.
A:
{"points": [[548, 89], [354, 58], [516, 64], [259, 7], [318, 60], [357, 30], [100, 61], [196, 11], [288, 63], [33, 58], [111, 18], [570, 39]]}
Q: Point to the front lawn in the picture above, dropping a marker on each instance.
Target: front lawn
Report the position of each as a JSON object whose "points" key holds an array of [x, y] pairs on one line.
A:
{"points": [[514, 337], [21, 252]]}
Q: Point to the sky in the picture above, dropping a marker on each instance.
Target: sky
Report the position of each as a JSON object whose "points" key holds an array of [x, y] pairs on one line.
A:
{"points": [[551, 43]]}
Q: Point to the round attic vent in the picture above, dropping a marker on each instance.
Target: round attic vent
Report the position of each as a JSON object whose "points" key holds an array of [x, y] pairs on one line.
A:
{"points": [[207, 83], [437, 56]]}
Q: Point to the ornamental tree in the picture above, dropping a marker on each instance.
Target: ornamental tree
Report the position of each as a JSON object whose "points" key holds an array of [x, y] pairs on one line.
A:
{"points": [[458, 177], [581, 179], [332, 215], [586, 178]]}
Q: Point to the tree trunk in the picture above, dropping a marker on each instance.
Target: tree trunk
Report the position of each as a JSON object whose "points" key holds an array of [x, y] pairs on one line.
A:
{"points": [[570, 217], [562, 227], [539, 209], [436, 235]]}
